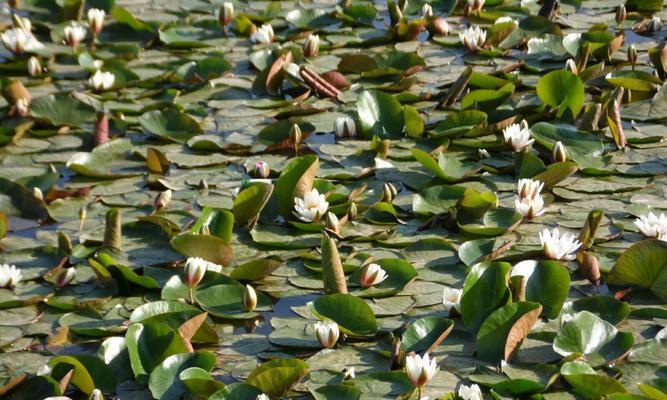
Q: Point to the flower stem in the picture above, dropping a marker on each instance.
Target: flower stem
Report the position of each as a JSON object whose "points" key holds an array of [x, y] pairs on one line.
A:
{"points": [[192, 299]]}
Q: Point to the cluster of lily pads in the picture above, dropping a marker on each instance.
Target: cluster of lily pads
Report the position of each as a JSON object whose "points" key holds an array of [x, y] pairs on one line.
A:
{"points": [[234, 200]]}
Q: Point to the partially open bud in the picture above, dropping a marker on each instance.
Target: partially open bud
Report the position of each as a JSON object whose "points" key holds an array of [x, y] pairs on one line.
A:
{"points": [[96, 20], [195, 268], [163, 199], [249, 298], [344, 127], [65, 277], [262, 170], [37, 192], [34, 66], [571, 66], [632, 54], [226, 14], [311, 46], [389, 192], [333, 224], [427, 11], [74, 34], [295, 135], [327, 333], [621, 14], [559, 152], [373, 274]]}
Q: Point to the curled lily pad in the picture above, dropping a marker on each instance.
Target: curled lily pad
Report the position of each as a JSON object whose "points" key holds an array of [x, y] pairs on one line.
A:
{"points": [[426, 334], [502, 332]]}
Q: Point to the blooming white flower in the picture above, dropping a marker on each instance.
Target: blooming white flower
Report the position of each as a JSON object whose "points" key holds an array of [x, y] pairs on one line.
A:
{"points": [[311, 46], [262, 397], [226, 14], [263, 35], [427, 11], [530, 207], [327, 333], [74, 34], [420, 370], [451, 299], [195, 268], [473, 38], [34, 66], [313, 206], [559, 247], [96, 20], [372, 275], [344, 127], [101, 80], [19, 41], [530, 188], [651, 225], [518, 136], [504, 19], [472, 392], [9, 276]]}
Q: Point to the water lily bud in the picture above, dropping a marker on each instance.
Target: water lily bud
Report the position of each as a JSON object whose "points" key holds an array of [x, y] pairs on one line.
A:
{"points": [[22, 107], [395, 13], [249, 298], [571, 66], [101, 80], [559, 152], [37, 192], [83, 212], [226, 14], [403, 4], [389, 192], [327, 333], [621, 14], [34, 66], [96, 20], [333, 224], [348, 373], [589, 267], [632, 54], [476, 5], [295, 134], [372, 275], [352, 211], [344, 127], [203, 185], [74, 34], [262, 170], [65, 277], [655, 25], [311, 46], [420, 370], [427, 11], [96, 395], [438, 26], [195, 268], [163, 199]]}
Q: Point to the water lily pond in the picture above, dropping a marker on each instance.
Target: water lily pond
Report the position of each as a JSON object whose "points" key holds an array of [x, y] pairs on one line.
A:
{"points": [[333, 200]]}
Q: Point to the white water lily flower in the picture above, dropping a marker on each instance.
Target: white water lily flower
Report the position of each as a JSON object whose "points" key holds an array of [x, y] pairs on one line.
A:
{"points": [[530, 207], [344, 127], [34, 66], [472, 392], [651, 225], [559, 247], [263, 35], [226, 14], [262, 397], [518, 136], [311, 46], [101, 80], [451, 300], [427, 11], [74, 34], [19, 41], [420, 370], [473, 38], [530, 188], [327, 333], [96, 20], [372, 275], [313, 206], [9, 276], [195, 268], [22, 106]]}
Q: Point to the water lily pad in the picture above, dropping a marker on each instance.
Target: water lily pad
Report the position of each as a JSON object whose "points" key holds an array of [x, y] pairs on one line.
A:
{"points": [[644, 264], [170, 124], [338, 307]]}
